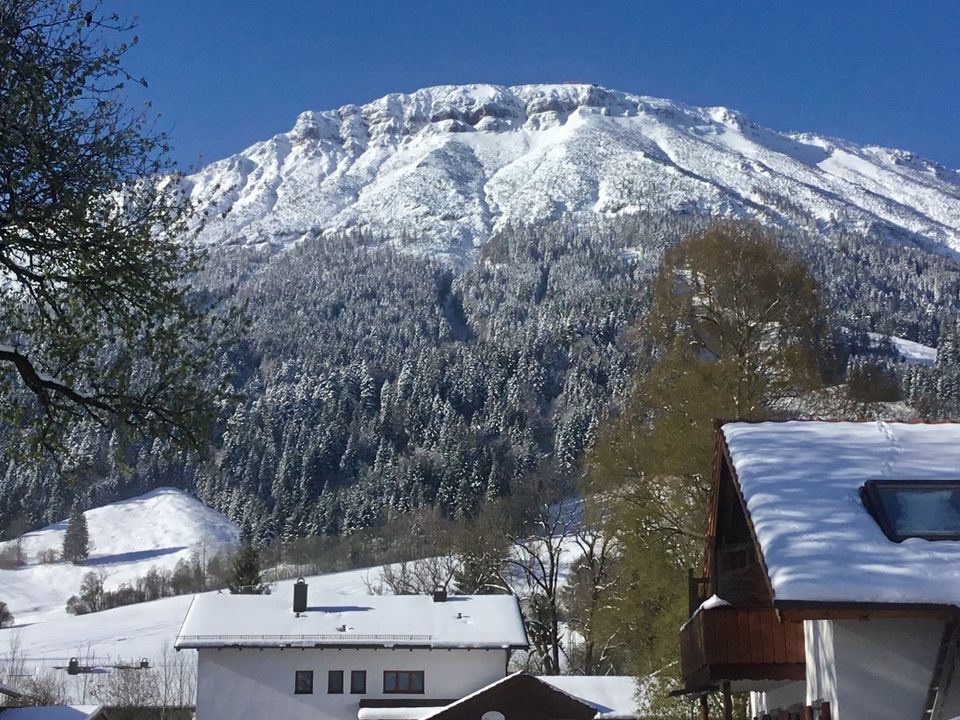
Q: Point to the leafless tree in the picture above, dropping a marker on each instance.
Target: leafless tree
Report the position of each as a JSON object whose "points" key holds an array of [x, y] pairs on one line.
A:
{"points": [[591, 591], [414, 577], [538, 560]]}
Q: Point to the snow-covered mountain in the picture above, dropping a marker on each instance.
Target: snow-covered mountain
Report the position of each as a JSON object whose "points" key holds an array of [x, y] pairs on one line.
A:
{"points": [[442, 168]]}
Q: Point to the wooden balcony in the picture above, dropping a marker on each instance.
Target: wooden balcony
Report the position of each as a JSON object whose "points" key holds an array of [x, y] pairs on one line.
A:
{"points": [[737, 644]]}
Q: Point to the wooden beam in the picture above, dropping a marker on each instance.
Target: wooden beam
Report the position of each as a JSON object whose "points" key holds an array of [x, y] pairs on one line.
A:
{"points": [[801, 610], [704, 708], [727, 701]]}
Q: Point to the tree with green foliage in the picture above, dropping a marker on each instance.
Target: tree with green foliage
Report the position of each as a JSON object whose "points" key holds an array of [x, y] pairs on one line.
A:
{"points": [[76, 539], [246, 578], [736, 331], [100, 322]]}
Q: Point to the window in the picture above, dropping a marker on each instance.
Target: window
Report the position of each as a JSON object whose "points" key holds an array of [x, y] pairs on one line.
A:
{"points": [[358, 681], [928, 509], [403, 681], [335, 682], [303, 682]]}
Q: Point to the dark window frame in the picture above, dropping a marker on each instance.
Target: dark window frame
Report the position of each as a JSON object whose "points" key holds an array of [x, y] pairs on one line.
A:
{"points": [[334, 688], [297, 676], [397, 685], [870, 494], [354, 674]]}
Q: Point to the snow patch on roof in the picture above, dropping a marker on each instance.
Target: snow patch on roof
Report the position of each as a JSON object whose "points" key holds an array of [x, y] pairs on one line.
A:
{"points": [[52, 712], [712, 602], [616, 697], [395, 713], [801, 482]]}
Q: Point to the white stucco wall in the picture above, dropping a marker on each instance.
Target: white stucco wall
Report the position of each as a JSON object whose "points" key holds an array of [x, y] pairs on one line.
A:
{"points": [[871, 669], [820, 666], [258, 684], [778, 695]]}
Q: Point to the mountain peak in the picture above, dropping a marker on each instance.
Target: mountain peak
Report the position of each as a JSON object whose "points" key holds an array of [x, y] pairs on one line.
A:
{"points": [[448, 165]]}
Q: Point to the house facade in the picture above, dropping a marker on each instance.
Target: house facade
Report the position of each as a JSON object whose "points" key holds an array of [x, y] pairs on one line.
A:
{"points": [[280, 657], [831, 582]]}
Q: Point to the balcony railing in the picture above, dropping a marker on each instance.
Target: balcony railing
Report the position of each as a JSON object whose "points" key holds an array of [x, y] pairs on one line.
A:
{"points": [[731, 643]]}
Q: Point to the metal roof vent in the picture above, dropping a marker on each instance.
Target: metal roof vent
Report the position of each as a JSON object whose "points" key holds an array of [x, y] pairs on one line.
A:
{"points": [[440, 595], [300, 596]]}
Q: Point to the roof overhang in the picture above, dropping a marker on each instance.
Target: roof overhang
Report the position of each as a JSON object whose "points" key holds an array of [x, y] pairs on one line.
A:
{"points": [[191, 644], [833, 610]]}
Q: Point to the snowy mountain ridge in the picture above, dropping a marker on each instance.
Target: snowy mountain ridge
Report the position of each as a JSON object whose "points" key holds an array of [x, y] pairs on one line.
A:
{"points": [[442, 168]]}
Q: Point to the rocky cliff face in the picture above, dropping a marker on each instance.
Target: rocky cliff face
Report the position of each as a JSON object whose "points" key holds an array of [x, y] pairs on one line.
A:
{"points": [[440, 169]]}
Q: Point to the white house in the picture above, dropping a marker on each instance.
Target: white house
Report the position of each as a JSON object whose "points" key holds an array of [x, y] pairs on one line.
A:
{"points": [[832, 571], [283, 657]]}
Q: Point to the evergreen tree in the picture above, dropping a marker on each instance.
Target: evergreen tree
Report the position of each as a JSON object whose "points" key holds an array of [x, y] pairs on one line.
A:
{"points": [[6, 617], [245, 577], [368, 371], [76, 539]]}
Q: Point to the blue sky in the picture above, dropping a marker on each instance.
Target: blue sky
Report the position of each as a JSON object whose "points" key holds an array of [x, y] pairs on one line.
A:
{"points": [[224, 74]]}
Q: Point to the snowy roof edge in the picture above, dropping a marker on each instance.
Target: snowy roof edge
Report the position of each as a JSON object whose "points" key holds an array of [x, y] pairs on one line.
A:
{"points": [[187, 643], [803, 603]]}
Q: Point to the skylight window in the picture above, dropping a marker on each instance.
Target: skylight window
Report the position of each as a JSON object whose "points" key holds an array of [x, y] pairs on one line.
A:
{"points": [[928, 509]]}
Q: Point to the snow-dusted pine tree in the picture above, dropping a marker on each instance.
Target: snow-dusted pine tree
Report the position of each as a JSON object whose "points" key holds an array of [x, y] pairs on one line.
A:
{"points": [[76, 540]]}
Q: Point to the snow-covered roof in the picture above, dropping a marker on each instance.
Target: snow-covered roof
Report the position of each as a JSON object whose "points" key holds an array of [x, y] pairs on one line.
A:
{"points": [[462, 621], [616, 697], [52, 712], [9, 690], [801, 482]]}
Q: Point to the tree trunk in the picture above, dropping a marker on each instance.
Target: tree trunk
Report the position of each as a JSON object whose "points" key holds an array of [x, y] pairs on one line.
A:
{"points": [[727, 701]]}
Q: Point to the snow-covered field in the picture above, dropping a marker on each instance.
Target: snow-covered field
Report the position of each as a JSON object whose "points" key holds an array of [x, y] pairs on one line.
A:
{"points": [[137, 631], [127, 538], [909, 351]]}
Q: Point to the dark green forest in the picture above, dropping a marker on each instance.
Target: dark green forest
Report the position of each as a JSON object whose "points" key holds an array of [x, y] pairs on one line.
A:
{"points": [[372, 381]]}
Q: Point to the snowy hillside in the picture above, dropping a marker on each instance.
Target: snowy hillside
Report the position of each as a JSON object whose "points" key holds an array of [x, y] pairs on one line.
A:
{"points": [[909, 351], [127, 538], [449, 165], [141, 630]]}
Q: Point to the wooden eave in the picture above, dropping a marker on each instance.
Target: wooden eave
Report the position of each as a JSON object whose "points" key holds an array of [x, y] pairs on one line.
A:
{"points": [[721, 456], [827, 610]]}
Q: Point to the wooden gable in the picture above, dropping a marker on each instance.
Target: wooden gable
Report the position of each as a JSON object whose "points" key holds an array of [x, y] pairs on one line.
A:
{"points": [[518, 696], [734, 566]]}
